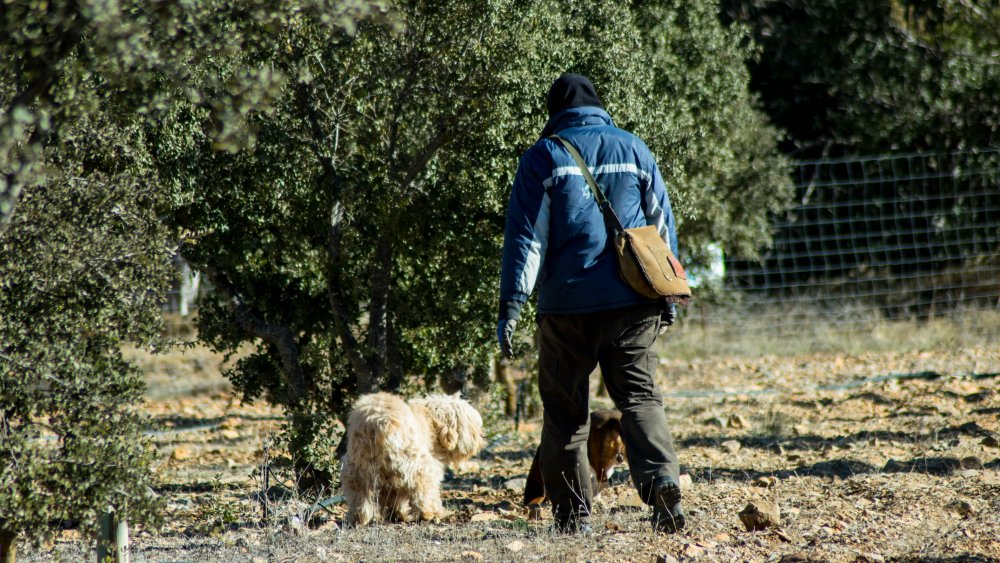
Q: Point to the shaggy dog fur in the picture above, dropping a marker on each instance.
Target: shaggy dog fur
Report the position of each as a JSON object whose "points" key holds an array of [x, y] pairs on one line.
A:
{"points": [[397, 452]]}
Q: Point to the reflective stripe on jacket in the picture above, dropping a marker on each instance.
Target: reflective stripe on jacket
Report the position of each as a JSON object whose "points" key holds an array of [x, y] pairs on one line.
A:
{"points": [[555, 237]]}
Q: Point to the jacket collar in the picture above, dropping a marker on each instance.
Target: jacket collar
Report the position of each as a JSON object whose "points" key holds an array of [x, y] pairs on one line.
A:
{"points": [[576, 117]]}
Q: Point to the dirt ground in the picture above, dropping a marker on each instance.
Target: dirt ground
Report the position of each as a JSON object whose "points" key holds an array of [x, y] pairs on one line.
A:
{"points": [[872, 457]]}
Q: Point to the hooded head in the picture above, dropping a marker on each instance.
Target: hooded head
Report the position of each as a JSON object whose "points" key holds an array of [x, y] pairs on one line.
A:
{"points": [[570, 91]]}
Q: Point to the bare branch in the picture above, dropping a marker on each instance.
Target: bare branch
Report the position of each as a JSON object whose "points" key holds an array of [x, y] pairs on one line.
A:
{"points": [[278, 336]]}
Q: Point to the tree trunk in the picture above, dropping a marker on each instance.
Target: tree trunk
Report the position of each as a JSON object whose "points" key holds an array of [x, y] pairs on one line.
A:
{"points": [[8, 547], [378, 316]]}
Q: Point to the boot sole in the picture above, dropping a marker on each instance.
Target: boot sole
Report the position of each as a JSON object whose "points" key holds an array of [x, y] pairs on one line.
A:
{"points": [[667, 496]]}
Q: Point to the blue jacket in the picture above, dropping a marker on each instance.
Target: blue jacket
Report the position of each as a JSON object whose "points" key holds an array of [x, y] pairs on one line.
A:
{"points": [[555, 237]]}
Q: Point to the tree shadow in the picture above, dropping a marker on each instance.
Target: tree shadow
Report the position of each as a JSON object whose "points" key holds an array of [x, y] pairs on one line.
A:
{"points": [[961, 558], [814, 442], [844, 468]]}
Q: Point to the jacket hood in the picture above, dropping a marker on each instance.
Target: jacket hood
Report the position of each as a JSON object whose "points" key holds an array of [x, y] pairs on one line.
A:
{"points": [[571, 91], [575, 117]]}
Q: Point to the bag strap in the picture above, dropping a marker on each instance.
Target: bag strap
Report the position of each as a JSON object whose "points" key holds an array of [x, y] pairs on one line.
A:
{"points": [[611, 220]]}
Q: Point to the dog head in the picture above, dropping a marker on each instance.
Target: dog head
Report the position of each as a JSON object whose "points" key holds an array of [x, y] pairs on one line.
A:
{"points": [[456, 426], [605, 447]]}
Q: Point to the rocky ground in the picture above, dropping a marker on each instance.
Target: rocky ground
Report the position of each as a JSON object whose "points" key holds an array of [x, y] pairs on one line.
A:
{"points": [[870, 457]]}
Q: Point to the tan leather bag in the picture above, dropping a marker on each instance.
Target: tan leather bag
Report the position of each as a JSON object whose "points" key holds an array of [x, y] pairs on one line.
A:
{"points": [[645, 261]]}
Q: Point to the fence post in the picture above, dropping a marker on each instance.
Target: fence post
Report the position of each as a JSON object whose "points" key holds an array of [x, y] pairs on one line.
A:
{"points": [[112, 538], [8, 547]]}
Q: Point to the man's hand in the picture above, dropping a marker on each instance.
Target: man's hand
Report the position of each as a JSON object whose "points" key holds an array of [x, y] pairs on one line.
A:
{"points": [[667, 316], [505, 336]]}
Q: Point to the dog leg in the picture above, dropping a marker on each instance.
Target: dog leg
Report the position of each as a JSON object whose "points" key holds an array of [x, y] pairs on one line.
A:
{"points": [[426, 495], [398, 507], [362, 509]]}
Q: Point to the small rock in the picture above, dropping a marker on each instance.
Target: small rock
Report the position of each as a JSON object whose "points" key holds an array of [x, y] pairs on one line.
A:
{"points": [[231, 434], [612, 526], [732, 446], [294, 527], [737, 421], [760, 514], [484, 517], [869, 558], [971, 462], [505, 506], [515, 546], [685, 482], [230, 464], [472, 556], [631, 501], [716, 421], [961, 507], [515, 484], [693, 550], [979, 397], [182, 453], [767, 482]]}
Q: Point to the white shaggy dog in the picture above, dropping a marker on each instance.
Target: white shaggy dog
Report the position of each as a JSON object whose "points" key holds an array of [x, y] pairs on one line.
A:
{"points": [[397, 451]]}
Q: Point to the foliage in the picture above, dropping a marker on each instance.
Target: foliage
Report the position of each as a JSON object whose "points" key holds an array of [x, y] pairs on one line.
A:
{"points": [[343, 189], [85, 254], [856, 77], [353, 227], [84, 268], [862, 77]]}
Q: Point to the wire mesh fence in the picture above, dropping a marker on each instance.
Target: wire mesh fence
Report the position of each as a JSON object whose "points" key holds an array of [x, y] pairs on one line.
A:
{"points": [[872, 240]]}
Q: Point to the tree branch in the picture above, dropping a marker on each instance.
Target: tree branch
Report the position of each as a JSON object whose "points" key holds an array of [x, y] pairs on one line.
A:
{"points": [[341, 320], [278, 336]]}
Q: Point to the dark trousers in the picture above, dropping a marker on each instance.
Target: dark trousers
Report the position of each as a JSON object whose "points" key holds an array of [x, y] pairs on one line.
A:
{"points": [[570, 347]]}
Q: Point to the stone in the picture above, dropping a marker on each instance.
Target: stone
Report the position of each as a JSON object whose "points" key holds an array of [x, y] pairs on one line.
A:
{"points": [[737, 421], [961, 507], [732, 446], [515, 484], [472, 556], [971, 462], [760, 515], [515, 546], [768, 482], [716, 421], [182, 453], [294, 526], [685, 482], [484, 517]]}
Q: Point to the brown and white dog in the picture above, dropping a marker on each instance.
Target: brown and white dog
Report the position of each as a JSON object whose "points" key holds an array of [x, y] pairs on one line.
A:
{"points": [[605, 450], [397, 451]]}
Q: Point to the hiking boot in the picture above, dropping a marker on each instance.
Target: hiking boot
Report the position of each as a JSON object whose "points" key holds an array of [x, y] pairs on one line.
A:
{"points": [[576, 522], [575, 526], [667, 514]]}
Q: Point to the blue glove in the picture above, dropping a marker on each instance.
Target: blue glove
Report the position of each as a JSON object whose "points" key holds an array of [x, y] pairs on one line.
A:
{"points": [[505, 336]]}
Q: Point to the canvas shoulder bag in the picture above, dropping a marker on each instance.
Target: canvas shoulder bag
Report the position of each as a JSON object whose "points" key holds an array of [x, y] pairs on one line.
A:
{"points": [[645, 262]]}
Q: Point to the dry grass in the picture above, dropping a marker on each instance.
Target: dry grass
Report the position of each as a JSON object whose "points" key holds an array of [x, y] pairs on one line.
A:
{"points": [[871, 455]]}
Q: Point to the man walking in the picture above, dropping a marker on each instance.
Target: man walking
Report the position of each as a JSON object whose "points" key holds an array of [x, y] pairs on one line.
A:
{"points": [[555, 238]]}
